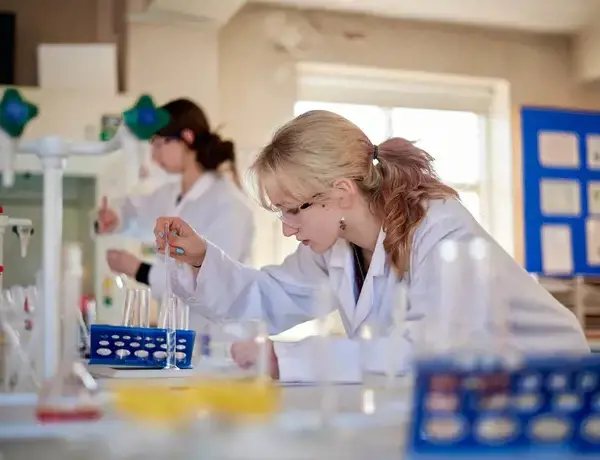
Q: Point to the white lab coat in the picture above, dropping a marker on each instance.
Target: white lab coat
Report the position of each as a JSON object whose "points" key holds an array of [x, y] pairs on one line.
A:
{"points": [[214, 207], [284, 295]]}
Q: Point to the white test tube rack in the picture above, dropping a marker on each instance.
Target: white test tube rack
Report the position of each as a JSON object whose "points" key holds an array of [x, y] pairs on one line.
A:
{"points": [[53, 152]]}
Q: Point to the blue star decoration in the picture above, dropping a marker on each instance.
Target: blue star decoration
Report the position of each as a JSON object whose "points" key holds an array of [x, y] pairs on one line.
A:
{"points": [[144, 119], [15, 112]]}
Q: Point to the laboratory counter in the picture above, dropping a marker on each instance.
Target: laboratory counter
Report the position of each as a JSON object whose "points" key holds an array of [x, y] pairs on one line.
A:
{"points": [[298, 432]]}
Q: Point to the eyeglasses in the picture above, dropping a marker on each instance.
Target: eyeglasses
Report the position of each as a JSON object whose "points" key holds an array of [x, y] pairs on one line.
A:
{"points": [[292, 216], [159, 141]]}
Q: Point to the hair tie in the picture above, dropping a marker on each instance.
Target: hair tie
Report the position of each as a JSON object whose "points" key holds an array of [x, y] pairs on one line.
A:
{"points": [[375, 155]]}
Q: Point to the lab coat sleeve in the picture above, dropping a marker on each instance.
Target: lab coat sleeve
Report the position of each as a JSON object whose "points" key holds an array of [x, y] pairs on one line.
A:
{"points": [[231, 231], [532, 320], [341, 360], [311, 360], [283, 294]]}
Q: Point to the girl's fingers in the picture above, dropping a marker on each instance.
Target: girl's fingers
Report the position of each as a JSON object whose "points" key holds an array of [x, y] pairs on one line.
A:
{"points": [[159, 228], [175, 240], [175, 252]]}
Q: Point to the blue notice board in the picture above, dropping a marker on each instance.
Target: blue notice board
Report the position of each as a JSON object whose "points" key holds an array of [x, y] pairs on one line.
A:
{"points": [[561, 186]]}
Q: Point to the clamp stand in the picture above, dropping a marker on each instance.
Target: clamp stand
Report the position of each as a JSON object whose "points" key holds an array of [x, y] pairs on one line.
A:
{"points": [[140, 123]]}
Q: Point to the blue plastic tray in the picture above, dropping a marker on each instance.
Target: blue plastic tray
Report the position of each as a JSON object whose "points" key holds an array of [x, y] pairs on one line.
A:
{"points": [[137, 347], [546, 408]]}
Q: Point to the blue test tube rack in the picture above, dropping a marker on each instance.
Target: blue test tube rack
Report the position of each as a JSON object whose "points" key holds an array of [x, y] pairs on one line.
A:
{"points": [[539, 408], [121, 346]]}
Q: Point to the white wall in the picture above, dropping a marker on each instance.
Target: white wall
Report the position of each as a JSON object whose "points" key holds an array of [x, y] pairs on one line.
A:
{"points": [[170, 60]]}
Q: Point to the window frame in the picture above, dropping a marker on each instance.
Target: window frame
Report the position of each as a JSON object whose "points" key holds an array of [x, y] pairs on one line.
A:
{"points": [[488, 97]]}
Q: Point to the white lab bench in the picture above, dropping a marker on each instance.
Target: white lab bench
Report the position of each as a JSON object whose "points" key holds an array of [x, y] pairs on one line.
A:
{"points": [[378, 436]]}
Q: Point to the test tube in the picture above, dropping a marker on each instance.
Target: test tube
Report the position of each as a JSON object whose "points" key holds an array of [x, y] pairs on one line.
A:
{"points": [[167, 260], [171, 333], [183, 315], [169, 308], [137, 308]]}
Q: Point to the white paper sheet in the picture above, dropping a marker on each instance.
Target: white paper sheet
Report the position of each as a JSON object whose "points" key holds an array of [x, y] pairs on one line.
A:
{"points": [[593, 151], [558, 149], [560, 197], [592, 231], [594, 198], [557, 250]]}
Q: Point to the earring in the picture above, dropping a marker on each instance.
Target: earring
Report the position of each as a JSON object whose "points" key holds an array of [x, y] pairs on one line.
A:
{"points": [[343, 224]]}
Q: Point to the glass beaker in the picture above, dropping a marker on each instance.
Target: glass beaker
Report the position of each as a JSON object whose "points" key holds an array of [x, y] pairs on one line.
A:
{"points": [[235, 348]]}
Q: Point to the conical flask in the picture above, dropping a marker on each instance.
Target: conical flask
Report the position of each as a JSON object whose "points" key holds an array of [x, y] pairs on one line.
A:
{"points": [[72, 395]]}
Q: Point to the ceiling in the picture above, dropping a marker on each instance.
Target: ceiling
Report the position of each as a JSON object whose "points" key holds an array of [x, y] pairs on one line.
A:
{"points": [[552, 16]]}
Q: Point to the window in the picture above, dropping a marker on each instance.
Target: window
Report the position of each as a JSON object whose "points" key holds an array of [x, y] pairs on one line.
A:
{"points": [[455, 139]]}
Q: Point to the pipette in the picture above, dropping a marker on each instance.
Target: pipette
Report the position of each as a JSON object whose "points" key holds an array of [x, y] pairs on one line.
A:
{"points": [[169, 308]]}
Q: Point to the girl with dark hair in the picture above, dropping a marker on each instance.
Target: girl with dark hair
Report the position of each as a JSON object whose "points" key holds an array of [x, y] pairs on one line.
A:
{"points": [[212, 203]]}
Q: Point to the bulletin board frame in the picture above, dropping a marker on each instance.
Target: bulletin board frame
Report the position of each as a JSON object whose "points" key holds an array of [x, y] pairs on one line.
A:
{"points": [[572, 215]]}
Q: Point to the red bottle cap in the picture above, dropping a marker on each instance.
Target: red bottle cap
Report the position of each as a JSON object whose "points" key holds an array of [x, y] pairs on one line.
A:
{"points": [[1, 268], [1, 209]]}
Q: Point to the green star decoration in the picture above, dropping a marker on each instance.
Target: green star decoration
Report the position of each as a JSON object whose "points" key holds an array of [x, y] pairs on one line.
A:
{"points": [[15, 112], [144, 119]]}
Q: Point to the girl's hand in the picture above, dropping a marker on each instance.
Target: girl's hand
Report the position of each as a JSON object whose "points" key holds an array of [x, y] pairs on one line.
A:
{"points": [[107, 219], [123, 262], [185, 244], [245, 354]]}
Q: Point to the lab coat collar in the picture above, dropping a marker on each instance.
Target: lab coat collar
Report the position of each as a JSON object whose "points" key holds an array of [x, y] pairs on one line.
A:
{"points": [[199, 188], [341, 272], [341, 256]]}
